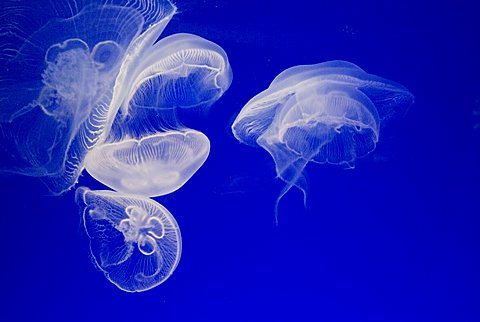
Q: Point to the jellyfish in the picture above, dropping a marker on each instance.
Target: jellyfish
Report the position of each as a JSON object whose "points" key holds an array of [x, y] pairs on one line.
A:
{"points": [[152, 166], [147, 150], [330, 112], [61, 70], [134, 240]]}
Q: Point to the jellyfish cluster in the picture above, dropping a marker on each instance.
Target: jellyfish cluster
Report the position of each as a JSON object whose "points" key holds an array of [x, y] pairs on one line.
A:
{"points": [[324, 113], [101, 92], [94, 86]]}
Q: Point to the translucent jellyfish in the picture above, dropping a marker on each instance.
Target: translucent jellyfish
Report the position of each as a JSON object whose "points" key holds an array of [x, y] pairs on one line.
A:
{"points": [[179, 71], [147, 150], [152, 166], [57, 92], [325, 113], [134, 240]]}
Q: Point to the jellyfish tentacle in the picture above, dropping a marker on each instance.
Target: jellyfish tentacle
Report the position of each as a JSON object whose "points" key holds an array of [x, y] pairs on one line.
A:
{"points": [[292, 182]]}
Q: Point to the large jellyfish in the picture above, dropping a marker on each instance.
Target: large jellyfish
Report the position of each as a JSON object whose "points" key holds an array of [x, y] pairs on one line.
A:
{"points": [[325, 113], [134, 240], [147, 150]]}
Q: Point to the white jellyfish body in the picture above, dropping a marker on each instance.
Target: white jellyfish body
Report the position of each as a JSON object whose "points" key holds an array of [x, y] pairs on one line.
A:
{"points": [[325, 113], [146, 149], [152, 166], [184, 70], [134, 240], [180, 72], [58, 89]]}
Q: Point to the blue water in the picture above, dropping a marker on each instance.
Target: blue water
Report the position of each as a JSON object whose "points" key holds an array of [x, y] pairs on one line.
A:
{"points": [[395, 239]]}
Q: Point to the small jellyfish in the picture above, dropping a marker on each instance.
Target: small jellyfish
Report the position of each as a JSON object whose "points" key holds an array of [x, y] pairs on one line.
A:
{"points": [[325, 113], [134, 240], [60, 71], [155, 165]]}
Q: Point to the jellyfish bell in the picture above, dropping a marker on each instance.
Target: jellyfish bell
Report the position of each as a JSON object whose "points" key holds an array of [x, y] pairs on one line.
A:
{"points": [[154, 165], [320, 119], [180, 72], [388, 97], [61, 70], [190, 71], [134, 240], [326, 113]]}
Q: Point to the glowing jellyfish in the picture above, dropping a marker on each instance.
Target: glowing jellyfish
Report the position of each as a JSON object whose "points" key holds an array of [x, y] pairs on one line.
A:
{"points": [[179, 71], [134, 240], [152, 166], [147, 150], [61, 70], [325, 113]]}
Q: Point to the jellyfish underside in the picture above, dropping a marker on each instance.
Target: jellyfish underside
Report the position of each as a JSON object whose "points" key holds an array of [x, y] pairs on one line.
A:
{"points": [[152, 166], [147, 151], [325, 113], [321, 126], [134, 240]]}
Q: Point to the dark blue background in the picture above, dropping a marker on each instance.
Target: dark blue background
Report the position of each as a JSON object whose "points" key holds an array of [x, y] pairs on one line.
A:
{"points": [[395, 239]]}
